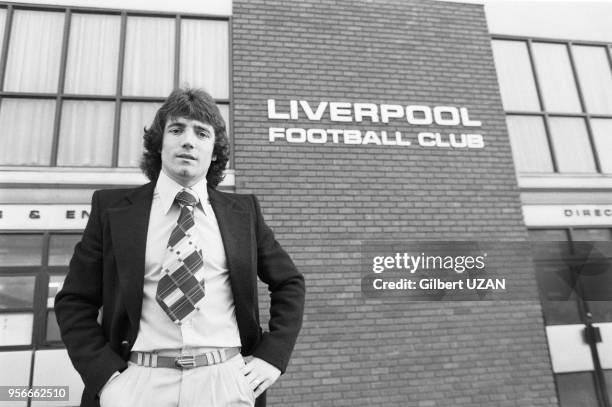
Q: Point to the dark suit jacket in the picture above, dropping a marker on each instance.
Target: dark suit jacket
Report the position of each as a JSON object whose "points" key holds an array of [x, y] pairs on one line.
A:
{"points": [[107, 270]]}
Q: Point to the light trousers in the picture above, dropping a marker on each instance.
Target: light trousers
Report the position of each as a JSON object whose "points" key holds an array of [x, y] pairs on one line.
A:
{"points": [[220, 385]]}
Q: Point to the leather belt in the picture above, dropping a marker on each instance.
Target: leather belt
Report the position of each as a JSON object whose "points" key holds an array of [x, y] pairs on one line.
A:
{"points": [[153, 359]]}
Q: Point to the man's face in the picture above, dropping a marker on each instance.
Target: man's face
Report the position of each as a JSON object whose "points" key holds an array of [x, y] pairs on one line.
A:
{"points": [[187, 150]]}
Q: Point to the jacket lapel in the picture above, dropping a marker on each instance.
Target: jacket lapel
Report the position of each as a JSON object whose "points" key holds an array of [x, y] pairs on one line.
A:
{"points": [[236, 229], [129, 225]]}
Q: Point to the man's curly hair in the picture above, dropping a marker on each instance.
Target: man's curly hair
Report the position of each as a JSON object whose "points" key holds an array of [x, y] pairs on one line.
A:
{"points": [[193, 104]]}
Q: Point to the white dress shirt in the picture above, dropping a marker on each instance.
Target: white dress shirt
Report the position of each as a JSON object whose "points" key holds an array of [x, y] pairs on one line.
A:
{"points": [[214, 325]]}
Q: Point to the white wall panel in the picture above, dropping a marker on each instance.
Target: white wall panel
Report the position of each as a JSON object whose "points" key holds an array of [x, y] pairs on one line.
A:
{"points": [[15, 372], [53, 368], [604, 348], [16, 329], [568, 351]]}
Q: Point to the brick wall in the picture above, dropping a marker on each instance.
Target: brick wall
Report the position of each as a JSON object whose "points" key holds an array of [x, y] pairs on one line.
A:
{"points": [[323, 200]]}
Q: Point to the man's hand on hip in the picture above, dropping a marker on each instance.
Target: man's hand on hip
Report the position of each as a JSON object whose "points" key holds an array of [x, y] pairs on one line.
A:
{"points": [[260, 375]]}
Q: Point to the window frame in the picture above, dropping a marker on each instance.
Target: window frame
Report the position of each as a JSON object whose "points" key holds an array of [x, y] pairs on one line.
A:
{"points": [[41, 274], [545, 114], [118, 98], [598, 373]]}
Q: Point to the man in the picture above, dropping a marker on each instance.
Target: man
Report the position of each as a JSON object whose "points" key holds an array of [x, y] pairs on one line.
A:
{"points": [[173, 265]]}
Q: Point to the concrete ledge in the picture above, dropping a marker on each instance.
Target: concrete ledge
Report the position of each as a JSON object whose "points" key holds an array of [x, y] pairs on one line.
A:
{"points": [[11, 177]]}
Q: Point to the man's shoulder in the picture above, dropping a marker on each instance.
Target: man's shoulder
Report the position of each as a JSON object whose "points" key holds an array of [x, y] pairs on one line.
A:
{"points": [[112, 196], [245, 201], [232, 196]]}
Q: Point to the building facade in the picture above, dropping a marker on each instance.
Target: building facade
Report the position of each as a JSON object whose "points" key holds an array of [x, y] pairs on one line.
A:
{"points": [[353, 122]]}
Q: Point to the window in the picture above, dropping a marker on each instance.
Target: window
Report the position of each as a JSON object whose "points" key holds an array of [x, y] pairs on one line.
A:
{"points": [[20, 258], [602, 134], [559, 302], [568, 293], [554, 73], [577, 389], [515, 76], [574, 273], [571, 145], [33, 61], [558, 101], [32, 270], [594, 74], [93, 80], [529, 133], [20, 250]]}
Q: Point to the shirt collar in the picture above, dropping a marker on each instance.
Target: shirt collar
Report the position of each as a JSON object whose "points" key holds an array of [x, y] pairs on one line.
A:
{"points": [[167, 189]]}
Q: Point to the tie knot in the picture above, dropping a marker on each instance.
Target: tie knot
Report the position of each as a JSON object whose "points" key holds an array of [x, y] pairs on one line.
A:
{"points": [[185, 198]]}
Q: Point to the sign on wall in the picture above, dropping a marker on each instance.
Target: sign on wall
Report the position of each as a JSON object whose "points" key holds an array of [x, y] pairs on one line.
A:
{"points": [[567, 215], [395, 117], [43, 217]]}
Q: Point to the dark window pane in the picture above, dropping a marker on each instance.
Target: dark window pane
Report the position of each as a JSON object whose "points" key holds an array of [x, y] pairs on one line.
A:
{"points": [[608, 375], [596, 280], [549, 244], [20, 250], [601, 310], [576, 389], [596, 275], [53, 332], [16, 291], [548, 235], [599, 235], [557, 293], [555, 281], [61, 248]]}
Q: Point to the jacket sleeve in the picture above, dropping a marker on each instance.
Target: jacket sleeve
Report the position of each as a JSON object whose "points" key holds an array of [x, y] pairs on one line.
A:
{"points": [[286, 286], [77, 305]]}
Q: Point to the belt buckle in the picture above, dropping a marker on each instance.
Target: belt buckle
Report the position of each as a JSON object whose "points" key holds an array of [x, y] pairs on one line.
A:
{"points": [[185, 362]]}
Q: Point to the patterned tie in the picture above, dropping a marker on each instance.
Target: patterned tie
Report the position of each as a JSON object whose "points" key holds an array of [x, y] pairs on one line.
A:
{"points": [[182, 284]]}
